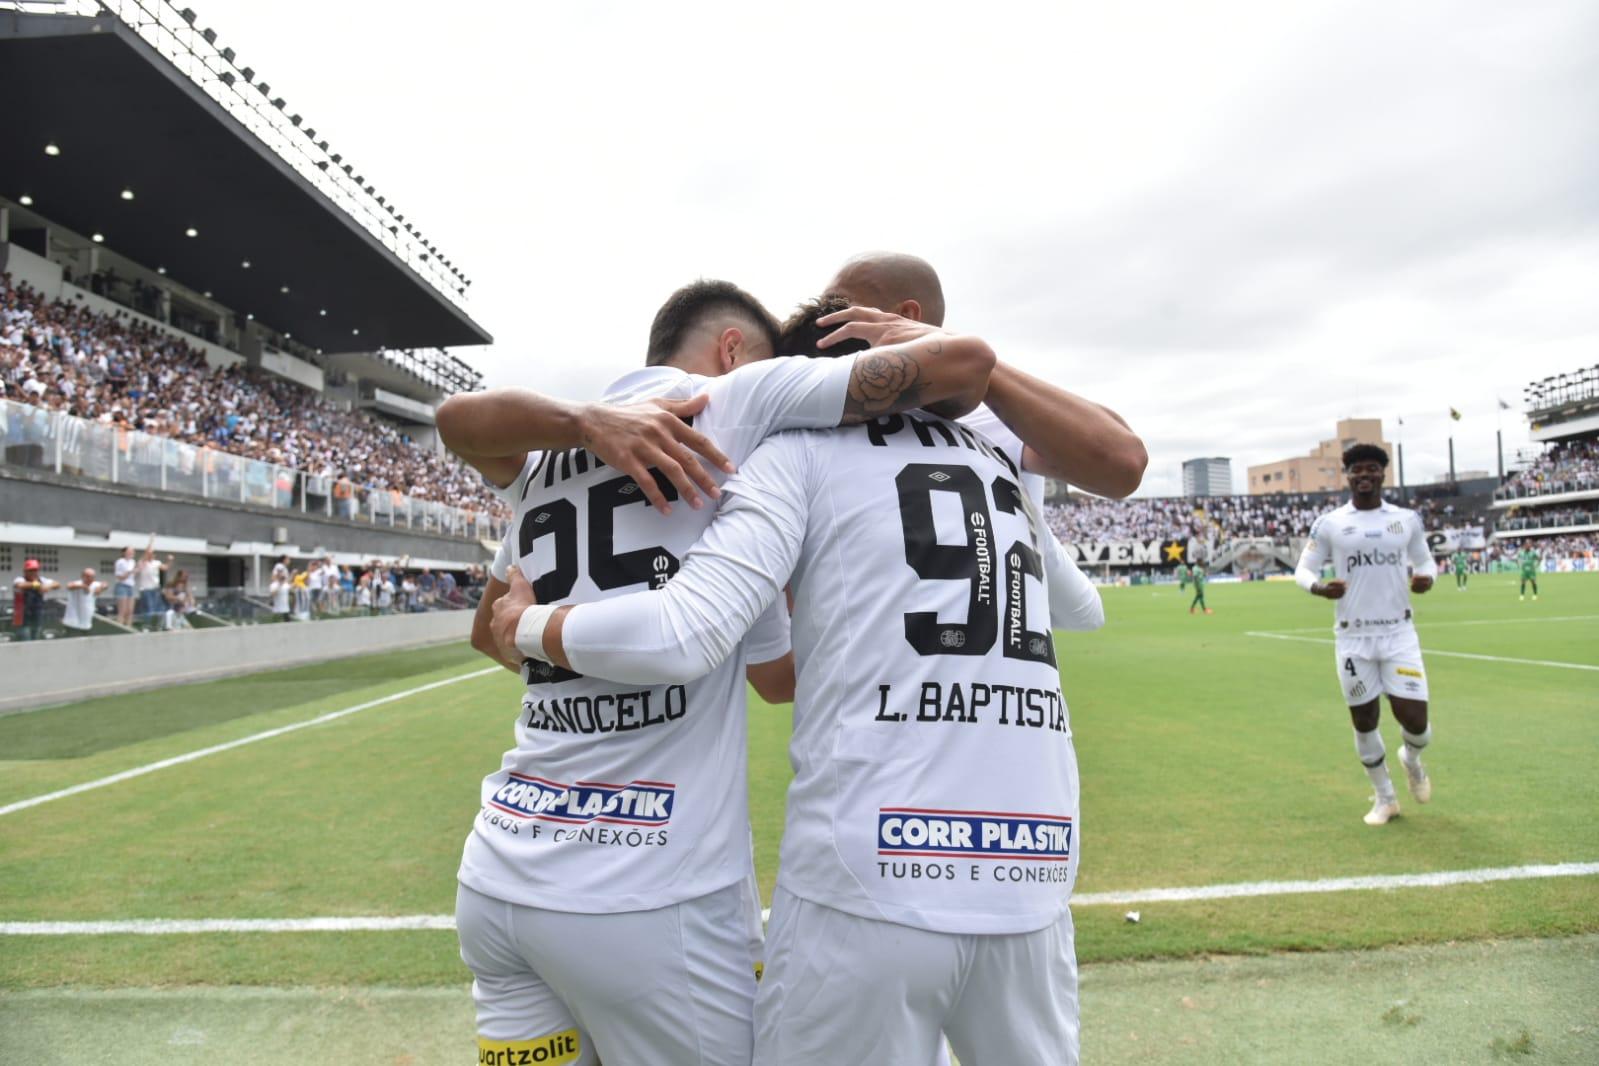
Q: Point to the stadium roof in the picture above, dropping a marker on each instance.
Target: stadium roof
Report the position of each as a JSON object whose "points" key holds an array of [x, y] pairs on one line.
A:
{"points": [[119, 115]]}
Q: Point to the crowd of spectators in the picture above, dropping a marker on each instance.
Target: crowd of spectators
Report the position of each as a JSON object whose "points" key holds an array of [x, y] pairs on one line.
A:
{"points": [[1570, 466], [1281, 517], [1569, 546], [322, 588], [112, 369], [1549, 517]]}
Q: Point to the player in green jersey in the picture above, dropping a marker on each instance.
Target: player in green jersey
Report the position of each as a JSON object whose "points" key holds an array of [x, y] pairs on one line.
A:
{"points": [[1529, 572], [1461, 564], [1196, 574]]}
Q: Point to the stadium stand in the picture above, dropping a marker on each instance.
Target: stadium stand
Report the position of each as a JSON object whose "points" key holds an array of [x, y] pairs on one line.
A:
{"points": [[113, 371], [242, 357], [1551, 503]]}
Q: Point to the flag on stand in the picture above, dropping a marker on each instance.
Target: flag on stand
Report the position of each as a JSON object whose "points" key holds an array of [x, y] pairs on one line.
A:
{"points": [[1503, 406], [1454, 414]]}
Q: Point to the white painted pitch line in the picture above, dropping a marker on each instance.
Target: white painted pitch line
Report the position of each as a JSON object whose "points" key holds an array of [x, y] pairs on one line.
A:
{"points": [[157, 926], [1473, 622], [1245, 889], [1430, 653], [178, 760]]}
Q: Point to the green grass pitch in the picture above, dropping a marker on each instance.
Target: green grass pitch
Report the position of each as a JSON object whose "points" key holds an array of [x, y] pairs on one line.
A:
{"points": [[1209, 755]]}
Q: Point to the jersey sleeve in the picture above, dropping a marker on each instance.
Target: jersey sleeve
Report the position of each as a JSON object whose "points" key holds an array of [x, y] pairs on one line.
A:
{"points": [[512, 493], [788, 392], [1314, 557], [1421, 561], [729, 578], [1074, 602], [771, 636], [500, 568]]}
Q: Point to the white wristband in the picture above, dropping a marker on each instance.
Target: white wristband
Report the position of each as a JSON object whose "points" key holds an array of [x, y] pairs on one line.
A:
{"points": [[530, 631]]}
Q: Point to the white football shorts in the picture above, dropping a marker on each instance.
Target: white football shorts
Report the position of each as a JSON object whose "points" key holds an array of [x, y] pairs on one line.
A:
{"points": [[1387, 662], [670, 987], [851, 991]]}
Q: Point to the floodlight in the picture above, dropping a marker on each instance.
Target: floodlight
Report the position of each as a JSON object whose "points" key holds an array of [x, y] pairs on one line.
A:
{"points": [[323, 313], [245, 264], [187, 14], [209, 34], [52, 149], [355, 333], [127, 194], [25, 200], [294, 119], [227, 78], [191, 232], [284, 289], [277, 102], [248, 73], [227, 53], [98, 238]]}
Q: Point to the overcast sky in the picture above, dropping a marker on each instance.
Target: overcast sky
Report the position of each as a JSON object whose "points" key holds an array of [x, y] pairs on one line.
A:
{"points": [[1233, 223]]}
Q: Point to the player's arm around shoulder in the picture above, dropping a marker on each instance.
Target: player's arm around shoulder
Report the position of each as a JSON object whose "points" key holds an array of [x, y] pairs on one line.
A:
{"points": [[910, 364]]}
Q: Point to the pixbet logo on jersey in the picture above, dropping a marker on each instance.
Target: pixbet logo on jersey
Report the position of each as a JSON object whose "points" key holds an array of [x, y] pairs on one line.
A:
{"points": [[973, 834], [636, 803], [1356, 560]]}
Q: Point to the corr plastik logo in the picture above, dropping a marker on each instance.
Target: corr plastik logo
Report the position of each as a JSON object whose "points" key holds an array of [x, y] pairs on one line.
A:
{"points": [[973, 834], [647, 803]]}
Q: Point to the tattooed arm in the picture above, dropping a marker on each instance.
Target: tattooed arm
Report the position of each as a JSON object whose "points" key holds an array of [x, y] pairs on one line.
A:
{"points": [[946, 373]]}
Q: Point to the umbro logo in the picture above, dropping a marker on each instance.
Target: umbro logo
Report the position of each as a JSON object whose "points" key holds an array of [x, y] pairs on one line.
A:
{"points": [[542, 518], [629, 489], [939, 476]]}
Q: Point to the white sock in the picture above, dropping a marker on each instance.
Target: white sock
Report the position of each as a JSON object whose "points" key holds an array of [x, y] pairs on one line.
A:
{"points": [[1373, 755], [1414, 742]]}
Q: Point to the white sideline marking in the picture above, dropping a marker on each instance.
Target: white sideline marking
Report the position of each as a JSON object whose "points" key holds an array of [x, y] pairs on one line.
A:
{"points": [[1428, 654], [177, 760], [1474, 622], [155, 926], [1243, 889]]}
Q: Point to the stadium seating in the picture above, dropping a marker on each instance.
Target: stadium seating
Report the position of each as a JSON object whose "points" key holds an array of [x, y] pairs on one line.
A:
{"points": [[1572, 466], [109, 369], [1282, 518]]}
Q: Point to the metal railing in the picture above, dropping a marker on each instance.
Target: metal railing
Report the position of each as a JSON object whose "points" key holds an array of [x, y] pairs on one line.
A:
{"points": [[37, 438], [1545, 520], [1552, 484]]}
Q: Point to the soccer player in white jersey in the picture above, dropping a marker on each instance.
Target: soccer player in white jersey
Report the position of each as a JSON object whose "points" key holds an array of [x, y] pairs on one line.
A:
{"points": [[603, 906], [1380, 556], [931, 838]]}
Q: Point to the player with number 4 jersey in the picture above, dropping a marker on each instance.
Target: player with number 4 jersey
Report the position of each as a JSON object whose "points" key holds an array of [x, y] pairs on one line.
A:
{"points": [[932, 832], [1380, 556]]}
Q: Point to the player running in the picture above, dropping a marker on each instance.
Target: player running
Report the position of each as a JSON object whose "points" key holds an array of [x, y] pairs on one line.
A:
{"points": [[1460, 563], [603, 905], [930, 845], [1373, 546], [1196, 574], [1529, 560]]}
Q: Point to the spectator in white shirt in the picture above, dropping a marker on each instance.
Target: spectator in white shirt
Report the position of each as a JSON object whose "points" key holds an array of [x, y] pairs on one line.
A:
{"points": [[124, 590], [147, 581], [81, 594]]}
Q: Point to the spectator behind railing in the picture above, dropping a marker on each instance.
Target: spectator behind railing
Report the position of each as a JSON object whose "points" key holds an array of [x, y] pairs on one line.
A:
{"points": [[1571, 466], [1568, 546], [119, 372], [1090, 519]]}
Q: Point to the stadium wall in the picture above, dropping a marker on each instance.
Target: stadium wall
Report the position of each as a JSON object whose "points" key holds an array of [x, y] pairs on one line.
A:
{"points": [[40, 498], [39, 673]]}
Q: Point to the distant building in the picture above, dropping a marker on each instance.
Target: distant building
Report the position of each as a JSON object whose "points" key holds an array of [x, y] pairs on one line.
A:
{"points": [[1208, 477], [1322, 469]]}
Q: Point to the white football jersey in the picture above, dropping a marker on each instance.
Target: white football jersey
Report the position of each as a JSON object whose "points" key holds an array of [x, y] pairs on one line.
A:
{"points": [[623, 797], [935, 778], [1373, 552]]}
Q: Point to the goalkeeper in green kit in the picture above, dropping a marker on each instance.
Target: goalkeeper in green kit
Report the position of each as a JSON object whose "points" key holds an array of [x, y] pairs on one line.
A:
{"points": [[1529, 572], [1461, 564]]}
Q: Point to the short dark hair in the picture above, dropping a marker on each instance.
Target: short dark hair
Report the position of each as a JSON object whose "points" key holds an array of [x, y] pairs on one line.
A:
{"points": [[799, 333], [691, 306], [1365, 453]]}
